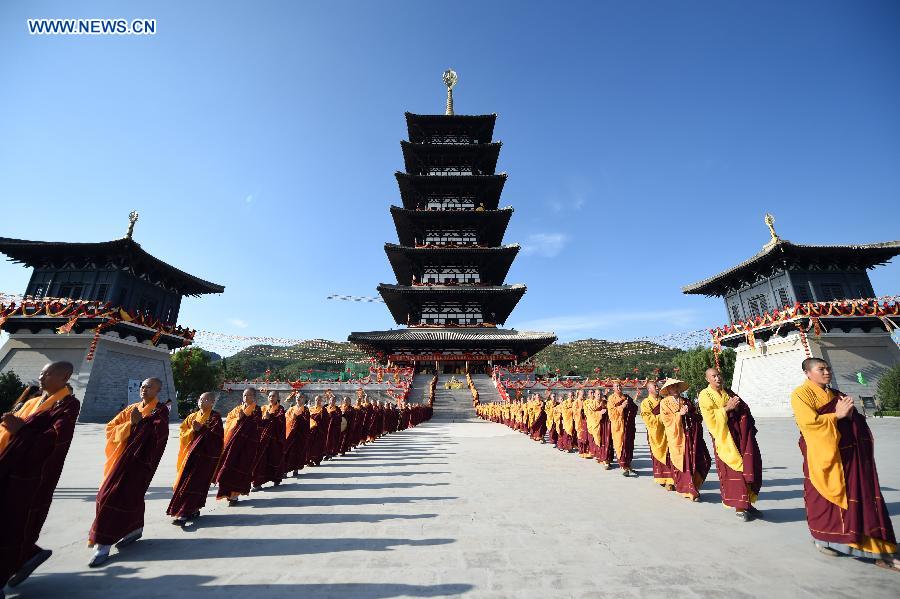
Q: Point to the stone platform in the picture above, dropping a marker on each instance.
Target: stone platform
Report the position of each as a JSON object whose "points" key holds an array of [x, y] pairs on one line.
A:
{"points": [[466, 509]]}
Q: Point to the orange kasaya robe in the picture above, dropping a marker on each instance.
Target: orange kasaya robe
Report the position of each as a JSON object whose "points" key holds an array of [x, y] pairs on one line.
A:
{"points": [[656, 438], [186, 436], [33, 406], [843, 498], [119, 429]]}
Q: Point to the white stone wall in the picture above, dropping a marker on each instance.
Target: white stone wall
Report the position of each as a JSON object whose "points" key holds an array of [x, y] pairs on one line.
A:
{"points": [[102, 383], [764, 377]]}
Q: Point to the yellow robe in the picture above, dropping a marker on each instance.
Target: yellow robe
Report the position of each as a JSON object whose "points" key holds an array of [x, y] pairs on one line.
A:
{"points": [[669, 413], [712, 406], [231, 419], [823, 456], [615, 406], [656, 434], [118, 430], [33, 406], [185, 438]]}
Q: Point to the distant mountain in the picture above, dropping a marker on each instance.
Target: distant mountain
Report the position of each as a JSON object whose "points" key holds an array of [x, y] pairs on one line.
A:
{"points": [[613, 358]]}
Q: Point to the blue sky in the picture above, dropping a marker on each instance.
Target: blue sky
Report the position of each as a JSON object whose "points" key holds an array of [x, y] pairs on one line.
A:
{"points": [[644, 141]]}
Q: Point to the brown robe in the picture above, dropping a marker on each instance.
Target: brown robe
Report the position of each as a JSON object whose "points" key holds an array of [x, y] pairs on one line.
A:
{"points": [[269, 463], [235, 469], [120, 500], [30, 466], [189, 495]]}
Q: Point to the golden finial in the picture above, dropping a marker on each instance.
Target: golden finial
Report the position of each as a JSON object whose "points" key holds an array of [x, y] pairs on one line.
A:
{"points": [[450, 79], [132, 218], [770, 222]]}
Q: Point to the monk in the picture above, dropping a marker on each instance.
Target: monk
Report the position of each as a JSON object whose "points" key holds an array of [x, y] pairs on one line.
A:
{"points": [[567, 422], [592, 418], [348, 415], [317, 426], [656, 439], [235, 470], [581, 431], [297, 436], [622, 412], [539, 421], [733, 432], [845, 509], [135, 442], [684, 438], [200, 437], [604, 450], [332, 429], [34, 442], [269, 463], [552, 416]]}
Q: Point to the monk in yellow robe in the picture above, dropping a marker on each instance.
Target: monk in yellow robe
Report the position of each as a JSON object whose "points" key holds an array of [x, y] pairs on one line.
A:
{"points": [[656, 438], [550, 415], [845, 509], [135, 442], [733, 432], [622, 413], [684, 438]]}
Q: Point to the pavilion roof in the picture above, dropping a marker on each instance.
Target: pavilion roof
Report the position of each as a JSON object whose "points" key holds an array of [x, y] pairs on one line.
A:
{"points": [[781, 254], [125, 253], [493, 262], [452, 338], [417, 158], [484, 189], [490, 225], [422, 127]]}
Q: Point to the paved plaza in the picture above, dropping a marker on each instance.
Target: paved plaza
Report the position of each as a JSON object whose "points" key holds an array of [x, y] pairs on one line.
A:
{"points": [[465, 509]]}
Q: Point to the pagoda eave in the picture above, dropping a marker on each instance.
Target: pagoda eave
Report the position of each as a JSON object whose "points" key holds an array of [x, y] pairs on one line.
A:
{"points": [[483, 189], [522, 344], [497, 301], [490, 225], [494, 262]]}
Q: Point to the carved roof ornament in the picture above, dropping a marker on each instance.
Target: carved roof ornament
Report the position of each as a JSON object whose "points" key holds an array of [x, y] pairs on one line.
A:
{"points": [[450, 79], [132, 218]]}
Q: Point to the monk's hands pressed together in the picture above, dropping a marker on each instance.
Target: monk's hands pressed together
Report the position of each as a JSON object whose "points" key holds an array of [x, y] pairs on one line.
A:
{"points": [[683, 410], [12, 422], [732, 403], [196, 426], [135, 416], [844, 406]]}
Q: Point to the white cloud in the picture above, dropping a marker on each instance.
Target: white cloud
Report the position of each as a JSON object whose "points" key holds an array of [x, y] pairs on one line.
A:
{"points": [[249, 199], [545, 245], [237, 322], [577, 326]]}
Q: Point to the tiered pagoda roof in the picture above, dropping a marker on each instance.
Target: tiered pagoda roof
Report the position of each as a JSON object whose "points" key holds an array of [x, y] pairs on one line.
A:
{"points": [[451, 263]]}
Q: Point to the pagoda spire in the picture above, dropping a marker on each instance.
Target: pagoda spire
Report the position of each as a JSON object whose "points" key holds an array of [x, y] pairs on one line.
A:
{"points": [[132, 219], [450, 79]]}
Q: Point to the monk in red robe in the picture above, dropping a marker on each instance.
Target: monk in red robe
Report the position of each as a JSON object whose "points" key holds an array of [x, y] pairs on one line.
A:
{"points": [[297, 436], [656, 439], [201, 438], [135, 442], [622, 412], [604, 445], [684, 439], [733, 432], [844, 505], [269, 463], [332, 429], [34, 442], [235, 470], [317, 430], [348, 415]]}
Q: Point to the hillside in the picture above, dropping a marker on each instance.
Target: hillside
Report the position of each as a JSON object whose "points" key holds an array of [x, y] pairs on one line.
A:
{"points": [[577, 357]]}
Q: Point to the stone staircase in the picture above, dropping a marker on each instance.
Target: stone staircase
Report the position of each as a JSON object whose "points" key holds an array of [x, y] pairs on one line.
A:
{"points": [[452, 405], [487, 392], [418, 391]]}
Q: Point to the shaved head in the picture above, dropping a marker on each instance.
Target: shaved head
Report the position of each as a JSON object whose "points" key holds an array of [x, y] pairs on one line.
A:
{"points": [[810, 363], [55, 375]]}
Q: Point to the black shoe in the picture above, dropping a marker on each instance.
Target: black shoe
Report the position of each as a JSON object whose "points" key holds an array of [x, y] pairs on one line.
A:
{"points": [[232, 502], [276, 483], [178, 522], [30, 566]]}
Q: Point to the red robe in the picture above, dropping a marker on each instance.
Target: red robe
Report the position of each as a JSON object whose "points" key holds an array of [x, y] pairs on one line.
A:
{"points": [[269, 463], [235, 469], [733, 484], [317, 432], [296, 441], [604, 451], [347, 434], [189, 495], [332, 431], [867, 514], [30, 467], [120, 500]]}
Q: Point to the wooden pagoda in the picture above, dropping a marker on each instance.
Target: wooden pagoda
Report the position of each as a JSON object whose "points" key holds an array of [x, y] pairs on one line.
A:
{"points": [[451, 262]]}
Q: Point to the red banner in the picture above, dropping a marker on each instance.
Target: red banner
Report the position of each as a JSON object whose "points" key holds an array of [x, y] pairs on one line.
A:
{"points": [[448, 357]]}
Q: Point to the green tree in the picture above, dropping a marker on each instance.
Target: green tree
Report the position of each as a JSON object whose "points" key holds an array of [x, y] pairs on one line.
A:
{"points": [[11, 386], [889, 389], [693, 363], [194, 374]]}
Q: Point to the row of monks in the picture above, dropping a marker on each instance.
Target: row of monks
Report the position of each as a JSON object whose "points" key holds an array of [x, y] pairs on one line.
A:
{"points": [[253, 445], [845, 510]]}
